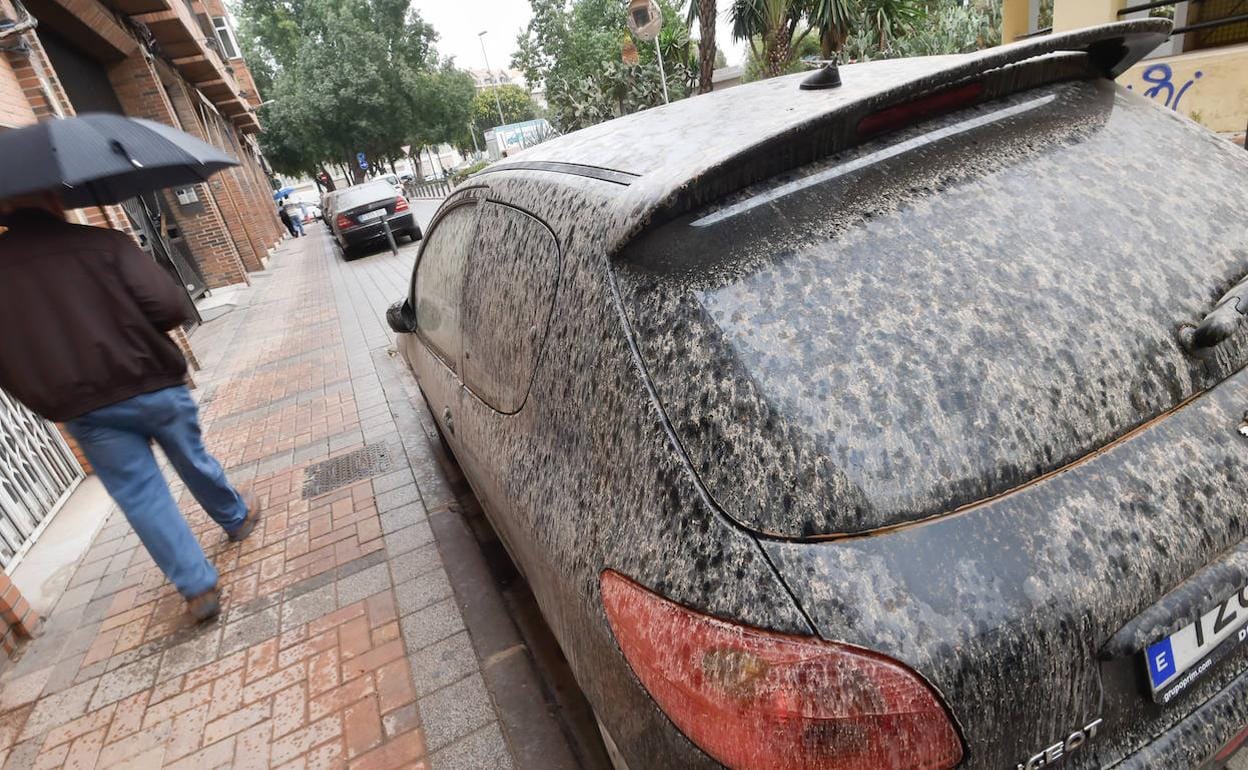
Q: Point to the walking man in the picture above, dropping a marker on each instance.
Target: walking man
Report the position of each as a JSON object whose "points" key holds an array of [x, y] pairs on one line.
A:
{"points": [[84, 314], [289, 221]]}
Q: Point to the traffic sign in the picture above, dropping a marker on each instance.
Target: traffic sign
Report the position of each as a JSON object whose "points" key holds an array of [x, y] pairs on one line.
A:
{"points": [[363, 160]]}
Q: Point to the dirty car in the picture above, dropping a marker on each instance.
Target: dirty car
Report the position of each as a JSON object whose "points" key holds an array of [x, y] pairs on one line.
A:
{"points": [[898, 424]]}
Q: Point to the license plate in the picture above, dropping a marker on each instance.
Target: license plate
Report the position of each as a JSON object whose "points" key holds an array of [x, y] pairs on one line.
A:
{"points": [[369, 216], [1181, 659]]}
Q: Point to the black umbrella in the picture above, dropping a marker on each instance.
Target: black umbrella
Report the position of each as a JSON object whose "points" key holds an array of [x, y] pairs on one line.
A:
{"points": [[98, 158]]}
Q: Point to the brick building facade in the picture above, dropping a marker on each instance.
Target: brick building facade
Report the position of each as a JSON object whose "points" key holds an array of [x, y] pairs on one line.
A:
{"points": [[172, 61]]}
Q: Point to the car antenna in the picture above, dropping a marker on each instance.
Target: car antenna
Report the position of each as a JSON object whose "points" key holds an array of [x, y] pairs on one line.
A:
{"points": [[827, 76]]}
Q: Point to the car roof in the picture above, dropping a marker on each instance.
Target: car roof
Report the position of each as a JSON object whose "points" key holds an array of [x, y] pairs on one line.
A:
{"points": [[671, 158]]}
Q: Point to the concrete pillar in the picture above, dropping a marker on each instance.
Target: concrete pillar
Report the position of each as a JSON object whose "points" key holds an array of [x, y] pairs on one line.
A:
{"points": [[1073, 14], [1016, 19]]}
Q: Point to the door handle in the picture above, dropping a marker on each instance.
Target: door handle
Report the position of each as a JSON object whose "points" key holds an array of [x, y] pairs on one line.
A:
{"points": [[448, 419]]}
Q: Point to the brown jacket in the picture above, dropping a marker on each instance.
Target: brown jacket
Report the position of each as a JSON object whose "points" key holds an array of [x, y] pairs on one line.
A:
{"points": [[83, 316]]}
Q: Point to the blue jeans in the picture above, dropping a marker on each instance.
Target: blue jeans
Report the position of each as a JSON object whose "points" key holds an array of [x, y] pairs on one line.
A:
{"points": [[117, 441], [298, 223]]}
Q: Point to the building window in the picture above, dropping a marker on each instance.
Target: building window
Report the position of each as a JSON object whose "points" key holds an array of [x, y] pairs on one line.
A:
{"points": [[225, 37]]}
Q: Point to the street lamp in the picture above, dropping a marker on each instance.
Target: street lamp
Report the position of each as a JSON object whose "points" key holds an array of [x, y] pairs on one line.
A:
{"points": [[490, 75]]}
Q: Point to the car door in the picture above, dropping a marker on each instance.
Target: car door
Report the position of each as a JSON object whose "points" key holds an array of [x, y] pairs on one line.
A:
{"points": [[435, 351], [509, 290]]}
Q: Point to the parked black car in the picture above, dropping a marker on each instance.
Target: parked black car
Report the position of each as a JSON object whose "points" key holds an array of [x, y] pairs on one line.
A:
{"points": [[869, 427], [359, 214]]}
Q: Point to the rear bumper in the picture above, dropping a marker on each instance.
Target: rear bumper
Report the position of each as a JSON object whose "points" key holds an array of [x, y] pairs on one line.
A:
{"points": [[1201, 736], [399, 223]]}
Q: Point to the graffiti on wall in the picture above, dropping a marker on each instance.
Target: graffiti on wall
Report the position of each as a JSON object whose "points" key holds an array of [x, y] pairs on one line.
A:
{"points": [[1160, 78]]}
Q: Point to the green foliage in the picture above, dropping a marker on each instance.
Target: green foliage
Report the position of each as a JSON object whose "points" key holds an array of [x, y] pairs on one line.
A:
{"points": [[348, 76], [938, 28], [806, 48], [575, 50], [462, 174], [858, 30], [516, 103]]}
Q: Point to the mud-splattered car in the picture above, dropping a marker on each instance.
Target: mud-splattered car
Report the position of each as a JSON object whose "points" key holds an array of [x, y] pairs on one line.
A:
{"points": [[869, 426]]}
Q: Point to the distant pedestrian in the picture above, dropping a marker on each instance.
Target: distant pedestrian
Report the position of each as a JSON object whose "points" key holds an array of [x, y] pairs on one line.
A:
{"points": [[295, 229], [85, 314]]}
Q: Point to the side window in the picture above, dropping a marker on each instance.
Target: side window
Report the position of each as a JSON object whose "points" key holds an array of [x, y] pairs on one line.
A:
{"points": [[440, 279], [509, 293]]}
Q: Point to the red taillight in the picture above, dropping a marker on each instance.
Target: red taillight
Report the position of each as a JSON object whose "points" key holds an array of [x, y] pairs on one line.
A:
{"points": [[344, 221], [400, 204], [757, 699], [909, 113]]}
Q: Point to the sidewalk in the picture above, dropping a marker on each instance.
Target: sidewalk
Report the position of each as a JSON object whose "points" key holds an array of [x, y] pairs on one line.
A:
{"points": [[341, 642]]}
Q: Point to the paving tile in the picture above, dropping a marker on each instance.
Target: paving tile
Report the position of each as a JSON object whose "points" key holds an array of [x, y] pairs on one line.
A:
{"points": [[396, 498], [422, 590], [361, 585], [19, 691], [484, 748], [198, 651], [431, 624], [126, 681], [360, 564], [75, 597], [393, 479], [58, 709], [404, 516], [442, 663], [249, 631], [455, 711], [401, 720], [308, 606], [306, 585], [407, 539]]}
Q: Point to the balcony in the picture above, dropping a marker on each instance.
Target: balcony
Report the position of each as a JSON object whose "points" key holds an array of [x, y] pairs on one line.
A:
{"points": [[176, 27]]}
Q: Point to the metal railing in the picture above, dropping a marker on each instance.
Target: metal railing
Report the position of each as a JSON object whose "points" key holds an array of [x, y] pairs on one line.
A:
{"points": [[37, 473], [429, 188]]}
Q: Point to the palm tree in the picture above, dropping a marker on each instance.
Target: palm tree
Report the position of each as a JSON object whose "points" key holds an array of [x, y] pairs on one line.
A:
{"points": [[833, 19], [705, 12], [885, 17], [773, 23]]}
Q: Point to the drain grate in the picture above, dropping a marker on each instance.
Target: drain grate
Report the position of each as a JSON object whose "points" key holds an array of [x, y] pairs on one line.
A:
{"points": [[328, 475]]}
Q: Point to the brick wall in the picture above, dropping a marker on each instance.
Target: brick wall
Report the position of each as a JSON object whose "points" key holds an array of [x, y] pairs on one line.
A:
{"points": [[17, 619], [142, 94]]}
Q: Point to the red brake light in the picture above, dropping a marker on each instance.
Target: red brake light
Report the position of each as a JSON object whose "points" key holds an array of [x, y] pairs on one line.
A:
{"points": [[758, 699], [909, 113], [344, 221], [400, 204]]}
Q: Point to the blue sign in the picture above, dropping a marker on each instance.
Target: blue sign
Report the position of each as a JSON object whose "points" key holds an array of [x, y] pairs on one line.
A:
{"points": [[363, 160], [1160, 662]]}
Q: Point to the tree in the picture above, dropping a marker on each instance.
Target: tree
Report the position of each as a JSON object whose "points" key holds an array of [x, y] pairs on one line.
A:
{"points": [[575, 50], [832, 19], [516, 103], [349, 76], [771, 27], [704, 12]]}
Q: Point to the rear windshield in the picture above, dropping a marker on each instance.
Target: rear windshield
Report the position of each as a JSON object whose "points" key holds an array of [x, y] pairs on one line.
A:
{"points": [[369, 192], [944, 313]]}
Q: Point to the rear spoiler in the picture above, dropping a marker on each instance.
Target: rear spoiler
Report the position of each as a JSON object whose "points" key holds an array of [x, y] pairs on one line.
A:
{"points": [[1102, 51]]}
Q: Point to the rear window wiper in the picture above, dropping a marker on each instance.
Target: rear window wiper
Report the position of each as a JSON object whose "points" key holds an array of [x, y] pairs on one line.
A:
{"points": [[1220, 323]]}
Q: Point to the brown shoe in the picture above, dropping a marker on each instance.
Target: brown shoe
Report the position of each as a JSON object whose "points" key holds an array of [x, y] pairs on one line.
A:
{"points": [[250, 522], [206, 606]]}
